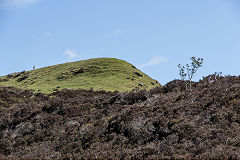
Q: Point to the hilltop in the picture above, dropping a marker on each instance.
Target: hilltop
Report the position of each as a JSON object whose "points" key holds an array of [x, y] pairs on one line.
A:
{"points": [[107, 74], [162, 123]]}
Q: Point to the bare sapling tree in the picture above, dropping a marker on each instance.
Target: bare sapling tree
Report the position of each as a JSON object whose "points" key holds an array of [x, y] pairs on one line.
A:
{"points": [[189, 71]]}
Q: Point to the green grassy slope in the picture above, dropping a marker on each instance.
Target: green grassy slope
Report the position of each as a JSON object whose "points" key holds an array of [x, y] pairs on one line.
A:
{"points": [[108, 74]]}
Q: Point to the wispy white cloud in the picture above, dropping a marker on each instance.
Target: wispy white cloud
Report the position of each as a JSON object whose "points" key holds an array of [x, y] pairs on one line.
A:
{"points": [[45, 36], [17, 3], [71, 54], [48, 34], [154, 61], [116, 33]]}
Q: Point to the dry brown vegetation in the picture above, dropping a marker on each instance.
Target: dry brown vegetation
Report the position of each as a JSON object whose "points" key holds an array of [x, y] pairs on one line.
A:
{"points": [[165, 122]]}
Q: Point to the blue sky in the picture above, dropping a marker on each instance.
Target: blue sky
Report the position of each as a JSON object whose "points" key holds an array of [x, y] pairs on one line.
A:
{"points": [[154, 35]]}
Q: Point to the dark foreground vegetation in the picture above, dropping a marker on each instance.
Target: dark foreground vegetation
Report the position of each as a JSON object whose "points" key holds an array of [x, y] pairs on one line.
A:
{"points": [[167, 122]]}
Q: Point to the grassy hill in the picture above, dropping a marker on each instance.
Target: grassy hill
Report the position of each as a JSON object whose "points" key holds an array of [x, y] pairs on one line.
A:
{"points": [[108, 74]]}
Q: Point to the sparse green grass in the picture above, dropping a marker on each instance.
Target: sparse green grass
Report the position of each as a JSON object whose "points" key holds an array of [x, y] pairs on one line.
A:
{"points": [[108, 74]]}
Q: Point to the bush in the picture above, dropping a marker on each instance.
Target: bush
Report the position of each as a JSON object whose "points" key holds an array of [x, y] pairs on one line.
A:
{"points": [[191, 71]]}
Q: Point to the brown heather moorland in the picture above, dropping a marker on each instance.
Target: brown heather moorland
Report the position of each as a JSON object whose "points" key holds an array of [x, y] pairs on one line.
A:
{"points": [[165, 122]]}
